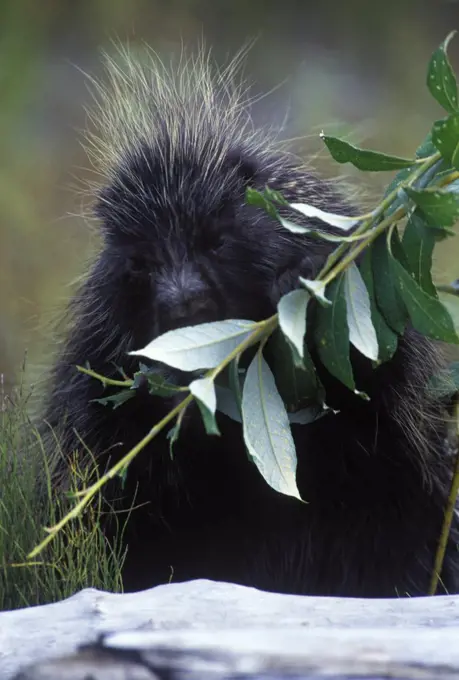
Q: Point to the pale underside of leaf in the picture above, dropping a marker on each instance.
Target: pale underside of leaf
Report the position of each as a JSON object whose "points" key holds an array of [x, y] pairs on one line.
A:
{"points": [[339, 221], [266, 428], [227, 404], [317, 290], [198, 347], [362, 333], [292, 317], [204, 390]]}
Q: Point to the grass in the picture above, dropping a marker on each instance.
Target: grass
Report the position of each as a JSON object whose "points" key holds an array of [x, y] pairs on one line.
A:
{"points": [[80, 556]]}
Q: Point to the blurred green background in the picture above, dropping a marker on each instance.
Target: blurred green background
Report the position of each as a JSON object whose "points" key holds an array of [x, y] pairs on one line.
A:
{"points": [[353, 67]]}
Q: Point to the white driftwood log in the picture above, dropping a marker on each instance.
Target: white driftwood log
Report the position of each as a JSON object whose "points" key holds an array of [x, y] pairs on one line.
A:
{"points": [[216, 628]]}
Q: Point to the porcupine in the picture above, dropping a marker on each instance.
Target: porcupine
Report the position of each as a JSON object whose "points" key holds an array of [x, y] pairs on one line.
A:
{"points": [[180, 246]]}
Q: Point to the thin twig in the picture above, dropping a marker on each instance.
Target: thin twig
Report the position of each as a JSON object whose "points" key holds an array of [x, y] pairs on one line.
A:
{"points": [[449, 512]]}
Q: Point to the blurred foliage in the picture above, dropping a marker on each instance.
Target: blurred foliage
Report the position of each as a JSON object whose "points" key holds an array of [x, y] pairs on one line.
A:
{"points": [[354, 67]]}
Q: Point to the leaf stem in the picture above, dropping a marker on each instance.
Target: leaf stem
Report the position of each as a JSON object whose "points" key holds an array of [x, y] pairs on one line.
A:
{"points": [[356, 250], [330, 272], [385, 204], [89, 493], [335, 264], [261, 328], [449, 512], [106, 381]]}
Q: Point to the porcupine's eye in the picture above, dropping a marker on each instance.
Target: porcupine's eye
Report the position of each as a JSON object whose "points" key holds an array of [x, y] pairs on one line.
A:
{"points": [[215, 240], [219, 230], [137, 268]]}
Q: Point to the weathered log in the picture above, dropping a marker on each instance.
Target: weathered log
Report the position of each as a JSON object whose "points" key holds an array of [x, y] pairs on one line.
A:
{"points": [[211, 631]]}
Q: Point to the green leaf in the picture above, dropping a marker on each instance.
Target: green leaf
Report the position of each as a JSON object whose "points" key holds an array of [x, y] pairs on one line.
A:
{"points": [[427, 314], [317, 290], [433, 175], [157, 384], [445, 135], [203, 390], [418, 244], [342, 222], [259, 200], [297, 386], [386, 292], [115, 400], [343, 152], [400, 177], [197, 347], [441, 80], [445, 174], [396, 248], [387, 339], [274, 196], [440, 207], [362, 333], [427, 148], [331, 334], [266, 428], [292, 320]]}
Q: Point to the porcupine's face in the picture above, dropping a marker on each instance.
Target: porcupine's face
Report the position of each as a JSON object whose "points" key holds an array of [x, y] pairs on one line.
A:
{"points": [[186, 249]]}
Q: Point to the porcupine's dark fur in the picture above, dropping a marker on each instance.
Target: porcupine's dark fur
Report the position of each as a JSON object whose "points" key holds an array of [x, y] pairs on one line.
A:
{"points": [[181, 247]]}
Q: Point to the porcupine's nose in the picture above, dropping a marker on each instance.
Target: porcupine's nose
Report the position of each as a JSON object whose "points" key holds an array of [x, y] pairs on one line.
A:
{"points": [[194, 310], [184, 299]]}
